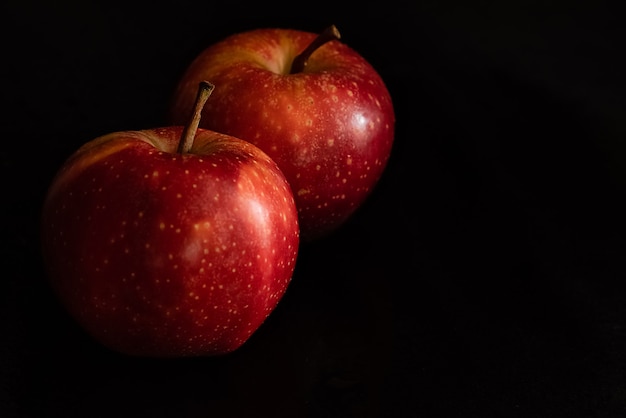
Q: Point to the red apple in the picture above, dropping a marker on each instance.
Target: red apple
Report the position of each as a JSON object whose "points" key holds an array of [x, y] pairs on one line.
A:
{"points": [[312, 103], [170, 242]]}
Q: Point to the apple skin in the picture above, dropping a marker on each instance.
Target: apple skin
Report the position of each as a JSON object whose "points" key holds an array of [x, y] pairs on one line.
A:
{"points": [[162, 254], [330, 127]]}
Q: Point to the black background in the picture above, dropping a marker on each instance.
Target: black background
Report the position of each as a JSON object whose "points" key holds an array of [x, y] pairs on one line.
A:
{"points": [[484, 276]]}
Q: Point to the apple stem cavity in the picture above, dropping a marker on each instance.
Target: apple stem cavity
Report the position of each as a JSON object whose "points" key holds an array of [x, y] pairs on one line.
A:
{"points": [[331, 33], [189, 132]]}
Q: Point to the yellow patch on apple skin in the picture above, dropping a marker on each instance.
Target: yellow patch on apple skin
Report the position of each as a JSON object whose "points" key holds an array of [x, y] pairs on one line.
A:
{"points": [[104, 146], [87, 156]]}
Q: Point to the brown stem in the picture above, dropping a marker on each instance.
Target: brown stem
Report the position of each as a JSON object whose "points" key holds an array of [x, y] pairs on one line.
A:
{"points": [[189, 132], [299, 62]]}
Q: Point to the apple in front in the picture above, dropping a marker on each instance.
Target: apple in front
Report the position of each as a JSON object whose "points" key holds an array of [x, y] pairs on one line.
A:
{"points": [[311, 102], [163, 253]]}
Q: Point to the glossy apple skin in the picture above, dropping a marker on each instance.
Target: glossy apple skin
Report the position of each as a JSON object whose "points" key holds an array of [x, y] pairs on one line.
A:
{"points": [[330, 128], [167, 255]]}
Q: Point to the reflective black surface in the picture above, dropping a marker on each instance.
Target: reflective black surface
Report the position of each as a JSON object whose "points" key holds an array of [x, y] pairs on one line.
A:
{"points": [[484, 276]]}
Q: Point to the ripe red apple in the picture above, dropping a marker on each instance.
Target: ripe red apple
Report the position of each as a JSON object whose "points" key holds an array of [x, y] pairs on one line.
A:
{"points": [[312, 103], [170, 242]]}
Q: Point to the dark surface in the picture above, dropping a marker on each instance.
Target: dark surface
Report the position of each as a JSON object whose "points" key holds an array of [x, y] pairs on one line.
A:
{"points": [[484, 277]]}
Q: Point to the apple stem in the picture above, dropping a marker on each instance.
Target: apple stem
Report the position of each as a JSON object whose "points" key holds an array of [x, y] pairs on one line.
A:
{"points": [[299, 62], [189, 132]]}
